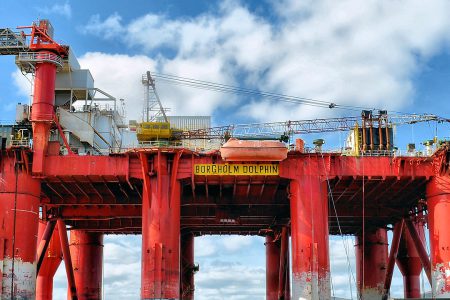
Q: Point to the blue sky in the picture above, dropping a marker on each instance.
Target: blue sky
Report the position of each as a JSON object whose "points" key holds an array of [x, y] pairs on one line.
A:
{"points": [[385, 54]]}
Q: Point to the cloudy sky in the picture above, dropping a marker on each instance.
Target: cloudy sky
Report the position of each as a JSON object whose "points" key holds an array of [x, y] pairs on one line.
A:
{"points": [[382, 54]]}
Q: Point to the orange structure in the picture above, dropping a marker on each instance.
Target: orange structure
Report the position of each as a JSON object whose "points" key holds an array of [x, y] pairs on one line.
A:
{"points": [[172, 194]]}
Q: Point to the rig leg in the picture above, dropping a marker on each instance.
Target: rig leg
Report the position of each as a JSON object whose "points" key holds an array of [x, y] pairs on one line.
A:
{"points": [[272, 267], [408, 261], [50, 264], [160, 228], [309, 231], [187, 266], [19, 216], [371, 264], [86, 252], [438, 202], [284, 287]]}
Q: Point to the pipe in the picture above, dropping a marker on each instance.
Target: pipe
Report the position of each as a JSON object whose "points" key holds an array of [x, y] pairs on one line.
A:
{"points": [[44, 235], [283, 276], [188, 267], [372, 261], [272, 267], [86, 251]]}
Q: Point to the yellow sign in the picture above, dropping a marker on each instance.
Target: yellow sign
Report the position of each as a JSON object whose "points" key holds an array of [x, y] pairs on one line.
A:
{"points": [[237, 169]]}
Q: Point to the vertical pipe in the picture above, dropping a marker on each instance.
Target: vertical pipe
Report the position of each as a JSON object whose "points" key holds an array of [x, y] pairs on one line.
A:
{"points": [[42, 112], [51, 260], [19, 216], [373, 262], [187, 266], [160, 229], [409, 263], [438, 201], [283, 276], [309, 230], [272, 267], [86, 251]]}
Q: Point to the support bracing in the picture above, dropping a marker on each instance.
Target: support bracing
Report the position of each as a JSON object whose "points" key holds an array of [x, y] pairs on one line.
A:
{"points": [[50, 258], [160, 227], [86, 251], [188, 267], [398, 229], [438, 203], [371, 263], [309, 232], [19, 216], [72, 289], [409, 263]]}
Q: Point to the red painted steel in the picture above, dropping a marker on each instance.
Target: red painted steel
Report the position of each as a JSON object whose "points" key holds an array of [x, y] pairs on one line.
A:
{"points": [[86, 251], [438, 202], [42, 112], [50, 264], [309, 231], [19, 208], [408, 261], [371, 264], [239, 150], [272, 266], [160, 228], [72, 289], [398, 229], [284, 288], [187, 266]]}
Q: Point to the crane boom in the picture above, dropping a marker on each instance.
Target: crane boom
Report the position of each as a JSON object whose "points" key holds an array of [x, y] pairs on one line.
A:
{"points": [[287, 128]]}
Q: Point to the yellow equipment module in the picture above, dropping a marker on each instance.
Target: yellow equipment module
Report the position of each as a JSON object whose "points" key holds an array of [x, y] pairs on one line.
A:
{"points": [[153, 131]]}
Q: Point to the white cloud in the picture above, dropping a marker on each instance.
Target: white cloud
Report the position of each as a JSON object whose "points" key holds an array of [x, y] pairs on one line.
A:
{"points": [[341, 51], [63, 9]]}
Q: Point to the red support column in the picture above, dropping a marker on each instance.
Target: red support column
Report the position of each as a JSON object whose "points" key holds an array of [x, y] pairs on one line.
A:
{"points": [[52, 260], [438, 202], [408, 261], [272, 267], [19, 219], [284, 287], [86, 252], [42, 111], [371, 264], [187, 266], [160, 228], [309, 231]]}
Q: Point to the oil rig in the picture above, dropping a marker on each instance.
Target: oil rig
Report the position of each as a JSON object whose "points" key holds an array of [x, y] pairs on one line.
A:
{"points": [[70, 164]]}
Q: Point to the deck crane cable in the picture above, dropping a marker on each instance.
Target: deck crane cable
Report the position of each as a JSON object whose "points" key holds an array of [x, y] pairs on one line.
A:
{"points": [[344, 242], [207, 85]]}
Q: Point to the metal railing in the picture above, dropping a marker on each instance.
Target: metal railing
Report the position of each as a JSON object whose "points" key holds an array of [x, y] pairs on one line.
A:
{"points": [[39, 57]]}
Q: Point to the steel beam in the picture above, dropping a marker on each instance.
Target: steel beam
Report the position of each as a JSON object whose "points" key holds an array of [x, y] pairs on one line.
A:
{"points": [[309, 231], [86, 251], [371, 263], [398, 229]]}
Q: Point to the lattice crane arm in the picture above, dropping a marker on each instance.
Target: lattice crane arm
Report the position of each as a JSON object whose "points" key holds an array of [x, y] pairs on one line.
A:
{"points": [[287, 128]]}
